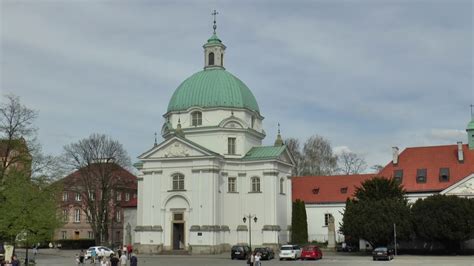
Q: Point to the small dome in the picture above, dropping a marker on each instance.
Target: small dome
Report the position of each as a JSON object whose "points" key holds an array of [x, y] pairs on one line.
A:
{"points": [[212, 88]]}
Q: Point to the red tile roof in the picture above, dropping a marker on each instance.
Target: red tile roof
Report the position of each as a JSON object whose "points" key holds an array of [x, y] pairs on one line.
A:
{"points": [[432, 158], [128, 179], [326, 189]]}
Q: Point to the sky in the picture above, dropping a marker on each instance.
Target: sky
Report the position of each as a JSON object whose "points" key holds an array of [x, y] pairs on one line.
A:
{"points": [[366, 75]]}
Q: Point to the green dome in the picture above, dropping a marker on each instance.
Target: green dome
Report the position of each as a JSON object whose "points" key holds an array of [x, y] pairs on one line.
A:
{"points": [[470, 126], [213, 87]]}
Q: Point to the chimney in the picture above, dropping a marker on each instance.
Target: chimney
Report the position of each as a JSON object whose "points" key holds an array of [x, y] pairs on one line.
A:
{"points": [[460, 153], [395, 155]]}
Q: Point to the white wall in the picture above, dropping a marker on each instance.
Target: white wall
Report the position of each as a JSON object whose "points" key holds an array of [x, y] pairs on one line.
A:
{"points": [[317, 230]]}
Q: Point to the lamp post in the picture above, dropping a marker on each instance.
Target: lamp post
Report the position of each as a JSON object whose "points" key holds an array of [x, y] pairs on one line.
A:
{"points": [[249, 217]]}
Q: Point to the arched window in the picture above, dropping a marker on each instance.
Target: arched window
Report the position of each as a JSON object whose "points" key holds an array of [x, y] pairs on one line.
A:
{"points": [[222, 59], [255, 184], [196, 118], [282, 182], [253, 122], [211, 59], [178, 181]]}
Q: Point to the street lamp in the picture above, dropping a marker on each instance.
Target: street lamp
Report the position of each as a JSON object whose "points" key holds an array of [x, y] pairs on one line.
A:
{"points": [[250, 226]]}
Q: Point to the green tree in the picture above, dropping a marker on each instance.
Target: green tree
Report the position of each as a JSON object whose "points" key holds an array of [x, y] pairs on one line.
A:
{"points": [[29, 208], [379, 203], [299, 223], [448, 219]]}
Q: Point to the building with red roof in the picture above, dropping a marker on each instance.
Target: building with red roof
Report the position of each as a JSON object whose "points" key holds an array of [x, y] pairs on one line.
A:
{"points": [[423, 171], [73, 208]]}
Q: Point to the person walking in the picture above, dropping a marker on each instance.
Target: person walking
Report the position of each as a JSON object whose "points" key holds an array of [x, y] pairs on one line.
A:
{"points": [[81, 257], [104, 262], [15, 261], [114, 261], [123, 260], [93, 256], [133, 260], [258, 257]]}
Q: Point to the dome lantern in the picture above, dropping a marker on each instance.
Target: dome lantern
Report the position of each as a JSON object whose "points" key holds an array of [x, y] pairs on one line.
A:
{"points": [[214, 49]]}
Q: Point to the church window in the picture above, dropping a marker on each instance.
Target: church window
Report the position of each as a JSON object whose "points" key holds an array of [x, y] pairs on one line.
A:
{"points": [[211, 59], [65, 196], [327, 217], [282, 181], [253, 122], [78, 196], [178, 182], [196, 118], [421, 175], [66, 215], [232, 184], [77, 215], [398, 175], [255, 184], [443, 174], [231, 145]]}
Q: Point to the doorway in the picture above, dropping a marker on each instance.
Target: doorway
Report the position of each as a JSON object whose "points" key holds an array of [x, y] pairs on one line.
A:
{"points": [[178, 236]]}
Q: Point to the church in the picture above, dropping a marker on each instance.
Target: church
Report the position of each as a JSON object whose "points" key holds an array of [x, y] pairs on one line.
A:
{"points": [[211, 184]]}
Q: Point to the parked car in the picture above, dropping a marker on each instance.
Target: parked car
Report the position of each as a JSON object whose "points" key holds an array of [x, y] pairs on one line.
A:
{"points": [[239, 252], [290, 252], [267, 253], [346, 248], [311, 252], [100, 251], [382, 253]]}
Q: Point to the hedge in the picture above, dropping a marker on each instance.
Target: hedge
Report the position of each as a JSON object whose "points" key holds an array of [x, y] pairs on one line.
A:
{"points": [[75, 243]]}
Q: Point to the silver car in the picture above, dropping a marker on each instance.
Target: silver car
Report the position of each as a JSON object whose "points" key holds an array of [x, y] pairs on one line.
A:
{"points": [[100, 251], [290, 252]]}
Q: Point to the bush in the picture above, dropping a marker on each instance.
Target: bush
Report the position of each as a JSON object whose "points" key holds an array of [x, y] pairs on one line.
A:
{"points": [[75, 243]]}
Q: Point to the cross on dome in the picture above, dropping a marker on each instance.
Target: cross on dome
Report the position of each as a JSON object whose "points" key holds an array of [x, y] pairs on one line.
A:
{"points": [[214, 13]]}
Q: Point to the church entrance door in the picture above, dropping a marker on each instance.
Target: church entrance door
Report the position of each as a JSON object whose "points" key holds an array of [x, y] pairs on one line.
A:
{"points": [[178, 235]]}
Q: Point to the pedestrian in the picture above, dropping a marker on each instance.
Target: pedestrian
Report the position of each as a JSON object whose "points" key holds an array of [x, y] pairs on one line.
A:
{"points": [[104, 262], [258, 256], [93, 256], [81, 257], [124, 250], [129, 251], [15, 261], [35, 252], [251, 259], [77, 260], [114, 261], [123, 260], [133, 260]]}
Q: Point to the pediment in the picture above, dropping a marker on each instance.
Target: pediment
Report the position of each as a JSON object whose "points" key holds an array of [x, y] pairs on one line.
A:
{"points": [[461, 188], [233, 122], [175, 148]]}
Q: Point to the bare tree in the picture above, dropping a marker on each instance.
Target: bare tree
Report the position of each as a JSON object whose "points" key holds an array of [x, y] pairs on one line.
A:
{"points": [[318, 157], [351, 163], [99, 161], [376, 168], [16, 129], [293, 146]]}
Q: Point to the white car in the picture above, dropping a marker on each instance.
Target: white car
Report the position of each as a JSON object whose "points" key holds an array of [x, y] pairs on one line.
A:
{"points": [[290, 252], [100, 251]]}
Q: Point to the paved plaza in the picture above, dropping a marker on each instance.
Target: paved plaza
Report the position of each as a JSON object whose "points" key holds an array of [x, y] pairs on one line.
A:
{"points": [[66, 257]]}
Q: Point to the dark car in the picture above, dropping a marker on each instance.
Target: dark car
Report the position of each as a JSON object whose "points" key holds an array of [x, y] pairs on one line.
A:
{"points": [[382, 253], [311, 252], [239, 252], [346, 248], [267, 253]]}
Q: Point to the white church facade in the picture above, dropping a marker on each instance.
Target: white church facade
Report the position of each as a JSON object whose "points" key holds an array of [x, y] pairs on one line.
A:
{"points": [[211, 170]]}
